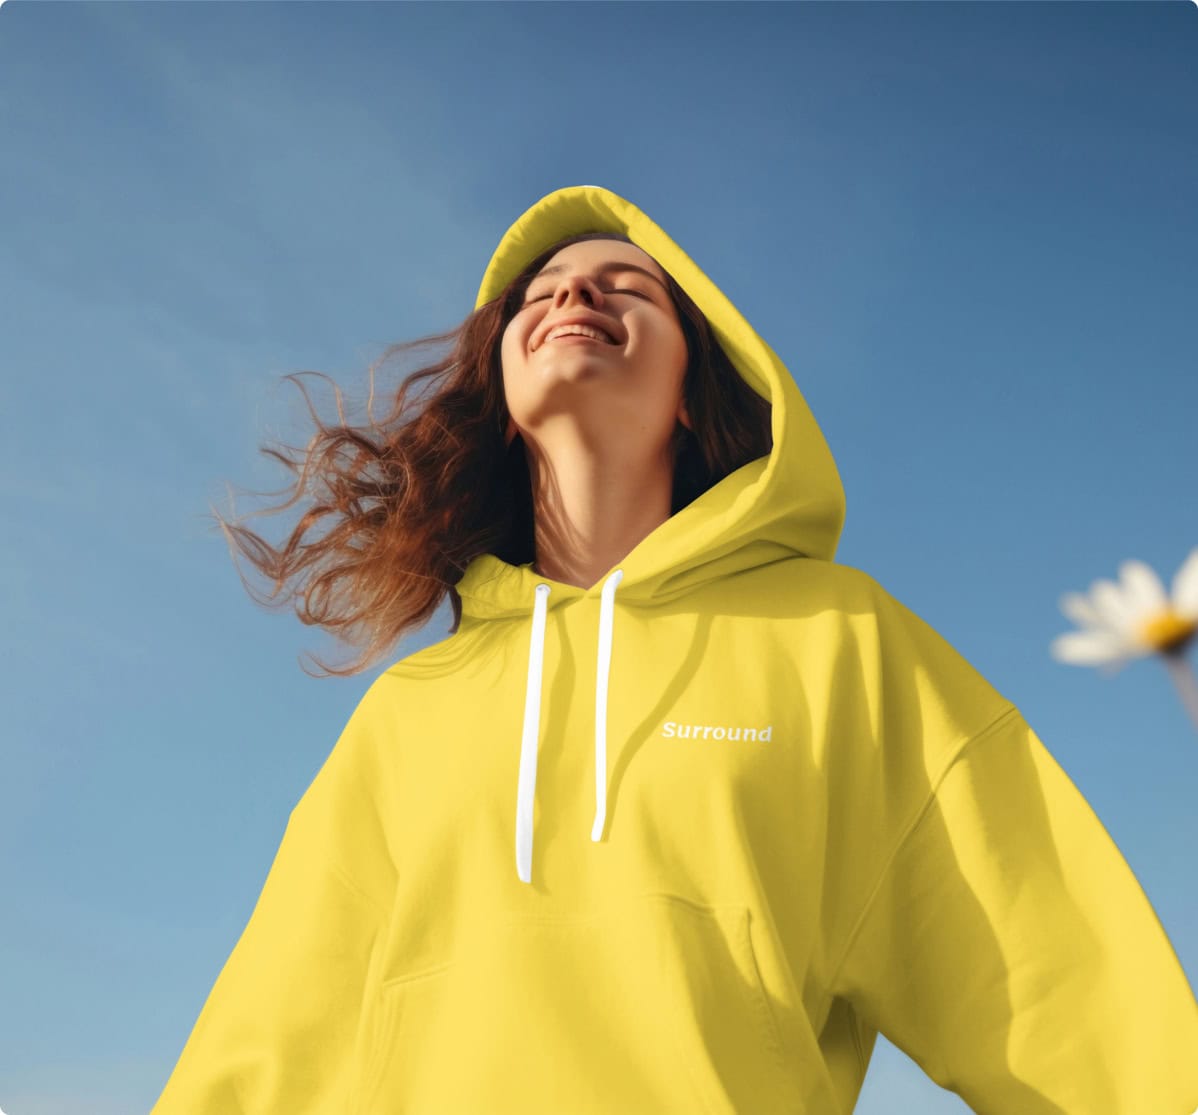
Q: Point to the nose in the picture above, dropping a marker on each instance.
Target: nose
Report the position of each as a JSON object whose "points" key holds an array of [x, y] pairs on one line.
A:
{"points": [[575, 287]]}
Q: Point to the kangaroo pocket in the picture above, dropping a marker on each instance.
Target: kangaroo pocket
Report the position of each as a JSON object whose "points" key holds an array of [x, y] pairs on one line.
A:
{"points": [[654, 1007]]}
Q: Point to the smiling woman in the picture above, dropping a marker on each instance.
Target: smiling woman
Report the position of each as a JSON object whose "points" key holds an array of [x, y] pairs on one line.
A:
{"points": [[825, 824], [412, 499], [593, 374]]}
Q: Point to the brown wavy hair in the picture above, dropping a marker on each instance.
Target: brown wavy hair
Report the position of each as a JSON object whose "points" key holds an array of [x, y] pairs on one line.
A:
{"points": [[414, 498]]}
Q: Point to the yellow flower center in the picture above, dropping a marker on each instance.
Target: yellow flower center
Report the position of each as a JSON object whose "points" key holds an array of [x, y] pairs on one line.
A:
{"points": [[1167, 631]]}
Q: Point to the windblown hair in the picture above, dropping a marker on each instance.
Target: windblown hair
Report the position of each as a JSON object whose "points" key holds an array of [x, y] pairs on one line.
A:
{"points": [[413, 499]]}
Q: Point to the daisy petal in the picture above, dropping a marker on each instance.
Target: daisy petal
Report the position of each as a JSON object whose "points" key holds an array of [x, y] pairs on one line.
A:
{"points": [[1089, 648], [1142, 588], [1110, 603], [1078, 608], [1185, 586]]}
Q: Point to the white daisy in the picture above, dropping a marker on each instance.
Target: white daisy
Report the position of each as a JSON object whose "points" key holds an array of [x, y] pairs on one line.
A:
{"points": [[1132, 619]]}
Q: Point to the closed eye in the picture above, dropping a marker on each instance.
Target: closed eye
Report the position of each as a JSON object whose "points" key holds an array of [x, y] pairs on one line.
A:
{"points": [[638, 293]]}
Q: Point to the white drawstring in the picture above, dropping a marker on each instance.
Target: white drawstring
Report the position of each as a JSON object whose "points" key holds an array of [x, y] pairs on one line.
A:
{"points": [[528, 745], [602, 673], [526, 791]]}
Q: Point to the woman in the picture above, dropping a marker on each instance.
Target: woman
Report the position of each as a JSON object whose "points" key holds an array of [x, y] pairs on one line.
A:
{"points": [[761, 811]]}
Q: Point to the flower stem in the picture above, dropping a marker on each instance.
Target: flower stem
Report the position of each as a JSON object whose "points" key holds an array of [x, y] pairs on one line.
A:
{"points": [[1187, 686]]}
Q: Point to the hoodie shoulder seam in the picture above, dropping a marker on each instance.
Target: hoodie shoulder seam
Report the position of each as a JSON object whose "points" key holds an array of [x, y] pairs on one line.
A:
{"points": [[1009, 711]]}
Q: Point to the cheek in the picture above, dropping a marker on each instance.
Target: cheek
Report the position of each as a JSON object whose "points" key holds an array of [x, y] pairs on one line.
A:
{"points": [[514, 360], [516, 338], [678, 356], [510, 345]]}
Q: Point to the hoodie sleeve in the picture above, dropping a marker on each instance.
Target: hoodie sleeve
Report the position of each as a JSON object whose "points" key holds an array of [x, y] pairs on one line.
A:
{"points": [[1008, 949], [277, 1033]]}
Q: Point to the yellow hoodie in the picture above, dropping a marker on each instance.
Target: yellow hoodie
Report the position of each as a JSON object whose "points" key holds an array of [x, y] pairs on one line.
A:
{"points": [[760, 813]]}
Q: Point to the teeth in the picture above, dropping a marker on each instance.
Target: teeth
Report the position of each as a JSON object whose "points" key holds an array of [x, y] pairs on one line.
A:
{"points": [[585, 330]]}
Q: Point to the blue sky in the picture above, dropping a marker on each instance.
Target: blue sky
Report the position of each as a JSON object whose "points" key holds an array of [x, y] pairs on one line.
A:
{"points": [[969, 229]]}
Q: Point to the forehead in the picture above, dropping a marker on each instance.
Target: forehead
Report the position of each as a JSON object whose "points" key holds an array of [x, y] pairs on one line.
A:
{"points": [[587, 253]]}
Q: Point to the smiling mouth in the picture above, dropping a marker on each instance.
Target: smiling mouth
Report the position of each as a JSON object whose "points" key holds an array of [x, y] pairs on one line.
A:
{"points": [[608, 340]]}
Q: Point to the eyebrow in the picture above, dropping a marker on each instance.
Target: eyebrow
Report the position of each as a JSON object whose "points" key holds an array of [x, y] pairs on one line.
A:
{"points": [[613, 265]]}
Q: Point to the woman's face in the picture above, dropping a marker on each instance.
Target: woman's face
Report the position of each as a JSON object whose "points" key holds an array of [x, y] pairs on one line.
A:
{"points": [[610, 391]]}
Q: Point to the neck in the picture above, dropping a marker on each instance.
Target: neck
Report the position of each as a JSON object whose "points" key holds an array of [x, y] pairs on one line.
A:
{"points": [[590, 512]]}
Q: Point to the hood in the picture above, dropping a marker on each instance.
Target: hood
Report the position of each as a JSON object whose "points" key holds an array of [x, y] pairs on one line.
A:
{"points": [[787, 504]]}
